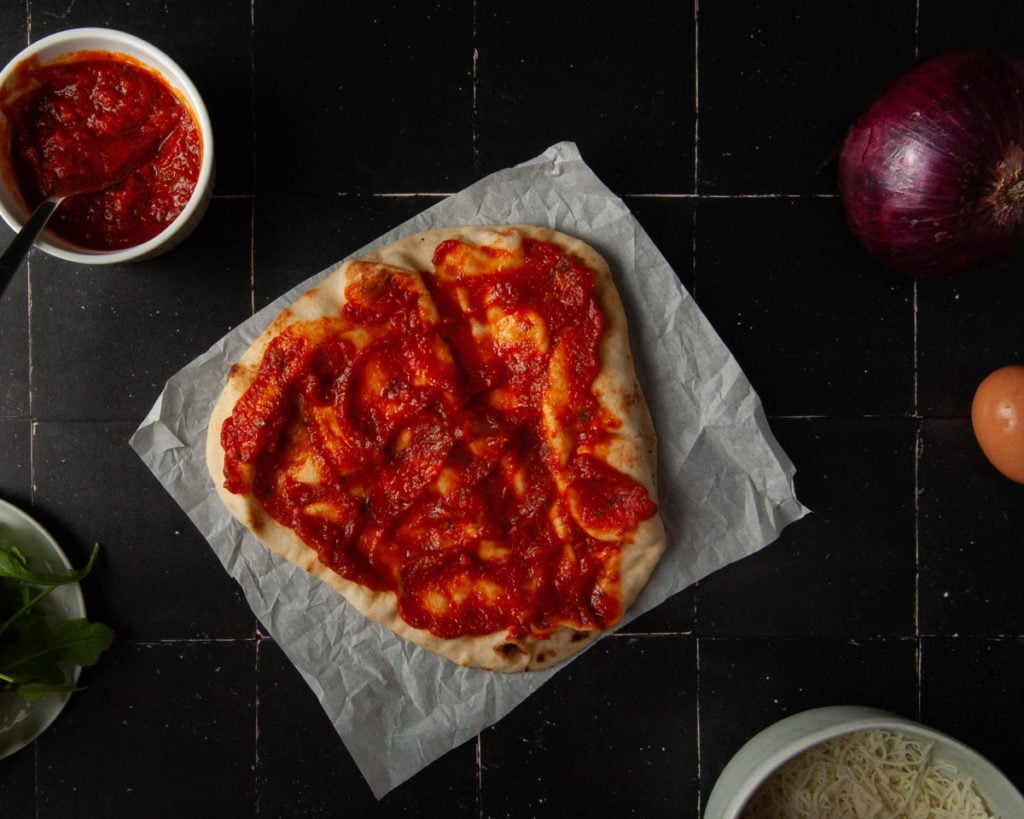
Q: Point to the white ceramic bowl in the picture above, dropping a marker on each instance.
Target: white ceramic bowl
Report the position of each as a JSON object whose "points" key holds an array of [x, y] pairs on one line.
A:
{"points": [[12, 207], [780, 742]]}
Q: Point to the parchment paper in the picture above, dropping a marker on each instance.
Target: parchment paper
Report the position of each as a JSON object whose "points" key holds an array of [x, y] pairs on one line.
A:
{"points": [[725, 484]]}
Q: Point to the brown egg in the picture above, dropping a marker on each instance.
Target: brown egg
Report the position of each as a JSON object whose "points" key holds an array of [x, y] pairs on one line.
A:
{"points": [[997, 415]]}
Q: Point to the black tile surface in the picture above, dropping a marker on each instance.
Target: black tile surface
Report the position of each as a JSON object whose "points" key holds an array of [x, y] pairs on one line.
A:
{"points": [[967, 327], [748, 683], [817, 330], [849, 568], [943, 26], [970, 538], [363, 97], [715, 121], [780, 82], [14, 466], [304, 771], [635, 126], [157, 579], [995, 669], [14, 388], [657, 763], [166, 730], [151, 320], [296, 236]]}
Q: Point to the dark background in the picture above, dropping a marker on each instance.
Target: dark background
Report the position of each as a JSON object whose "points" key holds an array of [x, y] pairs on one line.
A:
{"points": [[335, 121]]}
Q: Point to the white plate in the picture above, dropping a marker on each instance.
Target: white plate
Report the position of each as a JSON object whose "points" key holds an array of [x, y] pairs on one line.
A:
{"points": [[21, 722]]}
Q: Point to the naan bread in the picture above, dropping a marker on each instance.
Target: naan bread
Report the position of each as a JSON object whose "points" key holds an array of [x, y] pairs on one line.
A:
{"points": [[405, 270]]}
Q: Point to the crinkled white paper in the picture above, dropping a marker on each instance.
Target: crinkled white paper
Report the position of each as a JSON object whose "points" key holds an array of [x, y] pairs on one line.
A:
{"points": [[725, 484]]}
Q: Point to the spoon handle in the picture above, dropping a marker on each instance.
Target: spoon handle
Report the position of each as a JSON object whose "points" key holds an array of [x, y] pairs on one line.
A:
{"points": [[11, 259]]}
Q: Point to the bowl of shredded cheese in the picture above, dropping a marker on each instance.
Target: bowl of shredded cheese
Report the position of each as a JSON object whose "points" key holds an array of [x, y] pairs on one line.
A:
{"points": [[855, 762]]}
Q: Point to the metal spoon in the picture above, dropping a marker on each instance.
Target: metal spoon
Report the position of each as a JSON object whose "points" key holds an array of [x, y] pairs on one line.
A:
{"points": [[19, 247]]}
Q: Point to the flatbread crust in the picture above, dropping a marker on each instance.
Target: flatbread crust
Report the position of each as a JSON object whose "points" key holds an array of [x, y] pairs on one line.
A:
{"points": [[633, 449]]}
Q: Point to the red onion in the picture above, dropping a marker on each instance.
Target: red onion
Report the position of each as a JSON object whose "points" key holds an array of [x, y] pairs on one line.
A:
{"points": [[932, 175]]}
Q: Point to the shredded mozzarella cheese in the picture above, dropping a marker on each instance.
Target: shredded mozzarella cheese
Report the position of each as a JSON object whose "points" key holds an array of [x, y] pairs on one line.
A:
{"points": [[875, 774]]}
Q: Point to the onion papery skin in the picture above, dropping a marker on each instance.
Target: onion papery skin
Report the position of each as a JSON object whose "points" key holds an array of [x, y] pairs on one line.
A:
{"points": [[932, 175]]}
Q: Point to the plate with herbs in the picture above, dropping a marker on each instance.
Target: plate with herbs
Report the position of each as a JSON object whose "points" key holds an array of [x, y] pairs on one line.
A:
{"points": [[45, 638]]}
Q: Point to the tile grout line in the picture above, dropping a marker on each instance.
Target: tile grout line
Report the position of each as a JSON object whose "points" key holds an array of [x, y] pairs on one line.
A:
{"points": [[696, 96], [917, 565], [479, 758], [30, 386], [917, 502], [257, 648], [28, 329], [627, 195], [696, 155], [693, 284], [36, 796], [252, 182], [916, 442], [252, 311], [473, 135], [696, 726], [652, 195], [917, 29], [252, 257]]}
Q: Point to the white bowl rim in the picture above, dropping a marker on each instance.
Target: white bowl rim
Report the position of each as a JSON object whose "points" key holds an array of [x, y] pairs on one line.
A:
{"points": [[781, 741], [180, 80]]}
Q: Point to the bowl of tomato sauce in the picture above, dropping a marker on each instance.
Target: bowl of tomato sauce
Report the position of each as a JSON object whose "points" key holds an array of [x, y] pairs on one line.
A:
{"points": [[114, 125]]}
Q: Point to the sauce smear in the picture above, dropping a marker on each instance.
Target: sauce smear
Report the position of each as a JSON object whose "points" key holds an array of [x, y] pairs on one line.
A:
{"points": [[422, 441]]}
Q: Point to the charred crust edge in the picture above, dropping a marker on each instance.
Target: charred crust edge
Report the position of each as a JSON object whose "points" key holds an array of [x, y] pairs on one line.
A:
{"points": [[508, 649]]}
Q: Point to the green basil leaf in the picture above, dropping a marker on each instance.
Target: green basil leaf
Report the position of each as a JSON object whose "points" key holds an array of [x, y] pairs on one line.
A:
{"points": [[30, 657], [13, 565], [81, 642], [38, 651]]}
